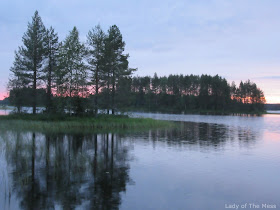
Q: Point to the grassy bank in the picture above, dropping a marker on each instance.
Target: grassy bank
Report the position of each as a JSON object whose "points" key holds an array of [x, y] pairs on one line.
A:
{"points": [[64, 123]]}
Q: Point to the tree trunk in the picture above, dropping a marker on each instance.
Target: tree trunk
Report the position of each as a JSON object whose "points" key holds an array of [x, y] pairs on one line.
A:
{"points": [[96, 91], [113, 94], [34, 89], [108, 94], [49, 89]]}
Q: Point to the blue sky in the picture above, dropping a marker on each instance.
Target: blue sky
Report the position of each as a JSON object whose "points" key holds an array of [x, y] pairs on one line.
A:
{"points": [[237, 39]]}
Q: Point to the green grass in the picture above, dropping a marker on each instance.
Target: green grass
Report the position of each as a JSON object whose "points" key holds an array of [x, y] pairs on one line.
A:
{"points": [[64, 123]]}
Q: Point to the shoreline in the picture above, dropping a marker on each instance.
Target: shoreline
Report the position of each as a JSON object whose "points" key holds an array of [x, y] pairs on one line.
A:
{"points": [[64, 123], [166, 111], [199, 112]]}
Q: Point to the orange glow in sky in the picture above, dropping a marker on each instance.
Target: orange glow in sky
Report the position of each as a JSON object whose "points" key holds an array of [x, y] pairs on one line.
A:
{"points": [[2, 96], [272, 100], [269, 99]]}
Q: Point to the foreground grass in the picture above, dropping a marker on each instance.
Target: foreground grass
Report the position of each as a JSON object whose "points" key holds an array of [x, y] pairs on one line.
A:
{"points": [[64, 123]]}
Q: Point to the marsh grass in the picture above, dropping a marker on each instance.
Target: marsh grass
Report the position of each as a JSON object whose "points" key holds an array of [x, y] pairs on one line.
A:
{"points": [[64, 123]]}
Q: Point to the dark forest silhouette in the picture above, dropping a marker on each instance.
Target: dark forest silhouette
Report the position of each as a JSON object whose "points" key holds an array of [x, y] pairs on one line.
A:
{"points": [[75, 77]]}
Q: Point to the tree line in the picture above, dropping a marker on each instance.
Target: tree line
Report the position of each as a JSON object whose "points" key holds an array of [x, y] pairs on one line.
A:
{"points": [[86, 77], [195, 93], [69, 69]]}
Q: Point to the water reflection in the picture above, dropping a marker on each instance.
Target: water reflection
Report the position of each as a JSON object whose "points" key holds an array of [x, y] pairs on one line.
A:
{"points": [[204, 135], [4, 112], [49, 171], [93, 171]]}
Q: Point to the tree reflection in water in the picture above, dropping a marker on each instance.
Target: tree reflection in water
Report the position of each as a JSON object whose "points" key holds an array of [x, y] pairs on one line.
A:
{"points": [[48, 171], [91, 171]]}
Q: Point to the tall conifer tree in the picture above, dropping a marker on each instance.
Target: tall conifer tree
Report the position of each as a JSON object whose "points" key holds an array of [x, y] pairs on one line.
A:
{"points": [[52, 51], [31, 55], [116, 60], [95, 53], [72, 67]]}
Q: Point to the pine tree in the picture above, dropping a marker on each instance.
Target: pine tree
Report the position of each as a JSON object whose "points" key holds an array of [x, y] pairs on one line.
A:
{"points": [[72, 69], [52, 51], [17, 82], [96, 49], [116, 60], [31, 55]]}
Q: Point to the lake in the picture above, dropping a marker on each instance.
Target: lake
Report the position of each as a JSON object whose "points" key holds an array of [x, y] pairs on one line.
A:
{"points": [[205, 162]]}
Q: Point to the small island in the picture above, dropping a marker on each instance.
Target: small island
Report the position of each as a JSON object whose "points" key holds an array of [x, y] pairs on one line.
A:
{"points": [[69, 124], [74, 82]]}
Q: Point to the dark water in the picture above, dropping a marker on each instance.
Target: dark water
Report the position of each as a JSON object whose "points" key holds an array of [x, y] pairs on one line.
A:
{"points": [[209, 163]]}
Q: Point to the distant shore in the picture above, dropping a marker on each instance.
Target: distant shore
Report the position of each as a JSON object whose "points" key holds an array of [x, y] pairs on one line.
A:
{"points": [[197, 111], [167, 111]]}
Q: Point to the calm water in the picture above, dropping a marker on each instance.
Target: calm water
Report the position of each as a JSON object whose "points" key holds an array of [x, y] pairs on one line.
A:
{"points": [[206, 162], [11, 109], [4, 112]]}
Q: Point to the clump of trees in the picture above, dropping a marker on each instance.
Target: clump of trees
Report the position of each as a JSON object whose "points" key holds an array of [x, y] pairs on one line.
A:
{"points": [[86, 77], [247, 96], [69, 71], [195, 93]]}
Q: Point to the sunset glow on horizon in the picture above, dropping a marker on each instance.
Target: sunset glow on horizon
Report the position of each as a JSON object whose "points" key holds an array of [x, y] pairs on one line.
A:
{"points": [[269, 99], [3, 96], [272, 100], [235, 39]]}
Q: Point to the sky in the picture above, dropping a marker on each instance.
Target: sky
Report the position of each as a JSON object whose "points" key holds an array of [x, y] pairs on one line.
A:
{"points": [[237, 39]]}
